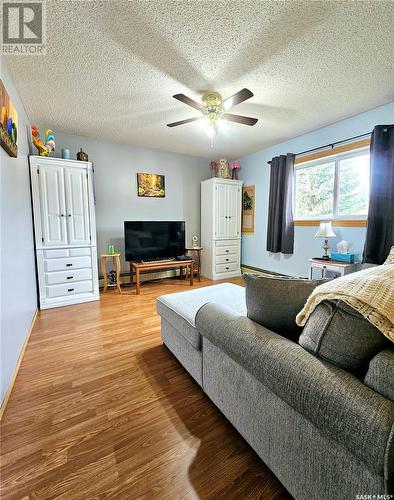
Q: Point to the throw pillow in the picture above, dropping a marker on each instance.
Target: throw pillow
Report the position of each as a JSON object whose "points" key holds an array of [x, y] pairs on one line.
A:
{"points": [[275, 301], [337, 333]]}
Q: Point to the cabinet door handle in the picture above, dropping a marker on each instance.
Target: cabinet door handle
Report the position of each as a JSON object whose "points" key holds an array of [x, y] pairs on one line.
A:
{"points": [[227, 268], [70, 290], [61, 215], [68, 265], [70, 277], [229, 216], [227, 260], [69, 215]]}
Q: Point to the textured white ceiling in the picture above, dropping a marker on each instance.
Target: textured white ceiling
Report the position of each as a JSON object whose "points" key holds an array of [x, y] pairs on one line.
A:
{"points": [[112, 67]]}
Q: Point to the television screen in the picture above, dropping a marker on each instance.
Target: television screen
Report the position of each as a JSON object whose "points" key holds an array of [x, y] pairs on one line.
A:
{"points": [[148, 240]]}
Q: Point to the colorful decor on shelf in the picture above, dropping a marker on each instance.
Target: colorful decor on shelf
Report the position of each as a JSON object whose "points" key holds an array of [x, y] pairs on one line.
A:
{"points": [[234, 167], [214, 167], [151, 185], [224, 170], [8, 123], [44, 149]]}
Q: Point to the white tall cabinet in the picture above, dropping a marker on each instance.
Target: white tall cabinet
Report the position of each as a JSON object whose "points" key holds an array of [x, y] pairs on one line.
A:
{"points": [[221, 228], [65, 231]]}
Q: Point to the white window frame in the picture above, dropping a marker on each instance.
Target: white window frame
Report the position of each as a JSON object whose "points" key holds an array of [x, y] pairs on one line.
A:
{"points": [[336, 158]]}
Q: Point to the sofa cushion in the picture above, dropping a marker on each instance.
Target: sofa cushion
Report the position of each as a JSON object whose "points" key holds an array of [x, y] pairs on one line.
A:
{"points": [[275, 301], [339, 334], [180, 308], [380, 374]]}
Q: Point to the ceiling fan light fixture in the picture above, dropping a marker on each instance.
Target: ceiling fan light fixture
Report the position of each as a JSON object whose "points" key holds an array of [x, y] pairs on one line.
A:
{"points": [[222, 124], [214, 111], [208, 126]]}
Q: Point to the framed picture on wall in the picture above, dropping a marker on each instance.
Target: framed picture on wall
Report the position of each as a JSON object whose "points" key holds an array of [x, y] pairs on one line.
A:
{"points": [[8, 123], [151, 185], [248, 199]]}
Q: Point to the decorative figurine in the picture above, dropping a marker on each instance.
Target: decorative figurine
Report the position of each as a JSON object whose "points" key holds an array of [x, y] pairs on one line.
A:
{"points": [[223, 170], [195, 241], [82, 156], [49, 146]]}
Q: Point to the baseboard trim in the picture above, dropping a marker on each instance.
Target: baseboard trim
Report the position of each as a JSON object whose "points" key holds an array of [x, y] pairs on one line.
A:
{"points": [[18, 364], [246, 268]]}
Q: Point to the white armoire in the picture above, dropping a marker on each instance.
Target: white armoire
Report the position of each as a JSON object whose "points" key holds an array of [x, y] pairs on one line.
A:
{"points": [[65, 231], [221, 228]]}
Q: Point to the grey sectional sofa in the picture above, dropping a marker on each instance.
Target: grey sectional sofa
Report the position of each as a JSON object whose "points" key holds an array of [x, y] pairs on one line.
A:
{"points": [[319, 428]]}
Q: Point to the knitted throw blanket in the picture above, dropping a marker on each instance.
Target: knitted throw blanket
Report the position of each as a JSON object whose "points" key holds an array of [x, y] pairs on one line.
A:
{"points": [[370, 292]]}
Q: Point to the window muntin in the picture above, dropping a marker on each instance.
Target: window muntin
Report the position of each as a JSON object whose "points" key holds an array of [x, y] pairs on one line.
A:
{"points": [[335, 187]]}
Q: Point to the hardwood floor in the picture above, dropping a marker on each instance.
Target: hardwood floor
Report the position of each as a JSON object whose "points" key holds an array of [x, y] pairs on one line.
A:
{"points": [[100, 409]]}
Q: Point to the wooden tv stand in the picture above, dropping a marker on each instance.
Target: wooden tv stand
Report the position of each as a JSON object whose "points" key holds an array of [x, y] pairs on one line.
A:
{"points": [[137, 267]]}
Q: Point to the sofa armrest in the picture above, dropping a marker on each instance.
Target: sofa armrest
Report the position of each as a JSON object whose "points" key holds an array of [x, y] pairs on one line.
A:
{"points": [[335, 401]]}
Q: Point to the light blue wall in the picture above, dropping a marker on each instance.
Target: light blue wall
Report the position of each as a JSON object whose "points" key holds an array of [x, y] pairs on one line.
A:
{"points": [[255, 170], [18, 282], [116, 166]]}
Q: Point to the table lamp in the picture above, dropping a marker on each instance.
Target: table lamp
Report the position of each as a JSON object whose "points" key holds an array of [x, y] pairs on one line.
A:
{"points": [[325, 231]]}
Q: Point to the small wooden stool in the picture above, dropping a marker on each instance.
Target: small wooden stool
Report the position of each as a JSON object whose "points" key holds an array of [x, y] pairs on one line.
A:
{"points": [[116, 263], [197, 262]]}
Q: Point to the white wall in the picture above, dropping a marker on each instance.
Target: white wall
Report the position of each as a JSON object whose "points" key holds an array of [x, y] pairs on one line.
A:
{"points": [[18, 282], [116, 166], [255, 170]]}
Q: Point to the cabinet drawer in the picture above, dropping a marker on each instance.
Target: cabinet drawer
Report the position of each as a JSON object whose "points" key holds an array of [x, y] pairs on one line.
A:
{"points": [[77, 252], [226, 250], [67, 263], [68, 276], [69, 289], [226, 268], [226, 243], [58, 253], [223, 259]]}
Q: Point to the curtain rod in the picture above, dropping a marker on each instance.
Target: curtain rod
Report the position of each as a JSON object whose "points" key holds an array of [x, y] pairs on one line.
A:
{"points": [[331, 144]]}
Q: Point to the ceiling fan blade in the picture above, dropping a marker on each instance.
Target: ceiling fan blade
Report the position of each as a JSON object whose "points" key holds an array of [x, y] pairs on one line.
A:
{"points": [[182, 122], [244, 120], [237, 98], [187, 100]]}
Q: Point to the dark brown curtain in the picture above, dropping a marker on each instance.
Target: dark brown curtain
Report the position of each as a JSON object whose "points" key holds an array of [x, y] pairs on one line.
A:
{"points": [[380, 230], [280, 232]]}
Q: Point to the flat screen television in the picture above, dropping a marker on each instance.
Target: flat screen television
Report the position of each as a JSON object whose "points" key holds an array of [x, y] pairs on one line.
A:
{"points": [[149, 240]]}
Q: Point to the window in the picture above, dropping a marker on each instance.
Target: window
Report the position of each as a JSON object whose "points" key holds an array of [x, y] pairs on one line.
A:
{"points": [[333, 187]]}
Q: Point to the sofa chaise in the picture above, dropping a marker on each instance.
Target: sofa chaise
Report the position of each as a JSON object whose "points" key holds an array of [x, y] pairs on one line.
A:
{"points": [[320, 428]]}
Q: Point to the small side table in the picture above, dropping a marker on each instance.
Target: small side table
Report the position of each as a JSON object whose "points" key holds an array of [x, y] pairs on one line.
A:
{"points": [[197, 251], [116, 262], [333, 266]]}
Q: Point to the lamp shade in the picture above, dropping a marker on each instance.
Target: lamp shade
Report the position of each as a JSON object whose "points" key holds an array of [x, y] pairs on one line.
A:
{"points": [[325, 230]]}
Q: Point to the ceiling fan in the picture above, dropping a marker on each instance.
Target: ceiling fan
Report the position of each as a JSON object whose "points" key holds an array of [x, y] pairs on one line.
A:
{"points": [[214, 110]]}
